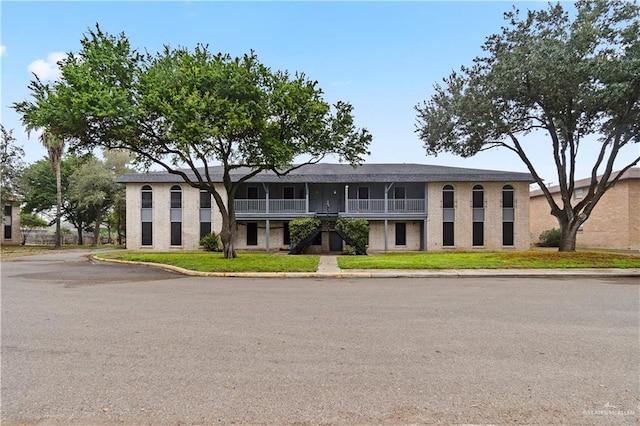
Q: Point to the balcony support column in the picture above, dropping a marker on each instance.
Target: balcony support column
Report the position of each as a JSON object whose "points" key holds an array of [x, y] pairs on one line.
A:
{"points": [[306, 192], [387, 187], [346, 200], [386, 234], [266, 191], [267, 232]]}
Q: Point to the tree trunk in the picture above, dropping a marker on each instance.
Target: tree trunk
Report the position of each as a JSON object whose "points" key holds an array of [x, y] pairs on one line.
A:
{"points": [[80, 239], [96, 229], [228, 236], [58, 243], [569, 232]]}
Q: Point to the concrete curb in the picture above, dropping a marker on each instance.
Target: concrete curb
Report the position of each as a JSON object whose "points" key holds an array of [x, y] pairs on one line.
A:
{"points": [[400, 273]]}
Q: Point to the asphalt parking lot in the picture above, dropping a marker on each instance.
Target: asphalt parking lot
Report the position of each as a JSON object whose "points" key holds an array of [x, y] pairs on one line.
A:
{"points": [[93, 343]]}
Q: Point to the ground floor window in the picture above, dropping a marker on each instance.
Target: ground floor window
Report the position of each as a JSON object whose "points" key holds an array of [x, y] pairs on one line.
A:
{"points": [[8, 212], [176, 233], [286, 235], [507, 233], [447, 234], [205, 229], [478, 233], [252, 234], [147, 233], [401, 234]]}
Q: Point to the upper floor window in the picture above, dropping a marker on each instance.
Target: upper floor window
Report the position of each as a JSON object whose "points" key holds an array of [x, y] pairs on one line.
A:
{"points": [[147, 197], [176, 197]]}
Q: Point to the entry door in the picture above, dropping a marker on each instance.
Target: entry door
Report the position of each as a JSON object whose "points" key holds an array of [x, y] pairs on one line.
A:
{"points": [[335, 242], [333, 196]]}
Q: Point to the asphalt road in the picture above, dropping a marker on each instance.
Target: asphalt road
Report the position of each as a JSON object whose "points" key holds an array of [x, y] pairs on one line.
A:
{"points": [[89, 343]]}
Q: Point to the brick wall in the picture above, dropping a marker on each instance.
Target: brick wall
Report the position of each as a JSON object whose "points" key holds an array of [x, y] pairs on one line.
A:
{"points": [[614, 222], [492, 216]]}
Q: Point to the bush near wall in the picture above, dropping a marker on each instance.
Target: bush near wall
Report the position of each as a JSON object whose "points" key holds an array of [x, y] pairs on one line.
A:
{"points": [[357, 230], [300, 228], [550, 238], [211, 242]]}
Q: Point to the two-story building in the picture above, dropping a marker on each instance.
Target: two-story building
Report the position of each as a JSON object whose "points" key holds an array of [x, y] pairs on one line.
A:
{"points": [[410, 207]]}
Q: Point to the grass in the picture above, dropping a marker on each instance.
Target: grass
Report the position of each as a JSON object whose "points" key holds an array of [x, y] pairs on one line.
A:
{"points": [[514, 260], [214, 262], [7, 251]]}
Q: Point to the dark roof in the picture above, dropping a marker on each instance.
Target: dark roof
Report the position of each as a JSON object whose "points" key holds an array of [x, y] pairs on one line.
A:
{"points": [[344, 173], [632, 173]]}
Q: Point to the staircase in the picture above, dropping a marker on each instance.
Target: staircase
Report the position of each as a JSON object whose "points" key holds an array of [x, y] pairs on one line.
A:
{"points": [[328, 224]]}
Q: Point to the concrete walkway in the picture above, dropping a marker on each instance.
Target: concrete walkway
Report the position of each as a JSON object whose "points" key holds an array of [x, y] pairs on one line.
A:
{"points": [[328, 265]]}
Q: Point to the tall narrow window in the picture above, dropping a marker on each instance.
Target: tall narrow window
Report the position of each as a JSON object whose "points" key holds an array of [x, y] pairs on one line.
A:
{"points": [[252, 192], [8, 221], [146, 215], [286, 237], [401, 234], [287, 193], [508, 215], [448, 216], [205, 213], [399, 196], [176, 215], [252, 234], [478, 215]]}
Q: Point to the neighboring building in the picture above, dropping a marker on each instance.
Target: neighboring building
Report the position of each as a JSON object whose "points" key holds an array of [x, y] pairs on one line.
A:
{"points": [[11, 223], [409, 207], [614, 222]]}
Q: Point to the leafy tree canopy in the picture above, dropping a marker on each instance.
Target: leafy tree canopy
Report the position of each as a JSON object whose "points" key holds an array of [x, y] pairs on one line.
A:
{"points": [[569, 77], [192, 108], [11, 165]]}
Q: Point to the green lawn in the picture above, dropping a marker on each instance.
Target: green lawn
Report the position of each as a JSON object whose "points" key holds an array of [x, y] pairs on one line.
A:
{"points": [[514, 260], [214, 262]]}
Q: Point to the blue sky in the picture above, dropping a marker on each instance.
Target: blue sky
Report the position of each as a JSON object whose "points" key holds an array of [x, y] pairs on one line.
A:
{"points": [[383, 57]]}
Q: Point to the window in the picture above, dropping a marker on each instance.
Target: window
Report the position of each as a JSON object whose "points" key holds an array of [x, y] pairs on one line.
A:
{"points": [[252, 234], [146, 215], [175, 216], [287, 193], [205, 213], [478, 215], [578, 194], [448, 216], [8, 218], [399, 193], [401, 234], [252, 192], [363, 192], [507, 215], [286, 238]]}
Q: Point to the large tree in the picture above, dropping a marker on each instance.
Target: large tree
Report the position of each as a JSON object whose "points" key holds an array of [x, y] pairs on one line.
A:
{"points": [[39, 192], [92, 187], [11, 166], [187, 110], [575, 79]]}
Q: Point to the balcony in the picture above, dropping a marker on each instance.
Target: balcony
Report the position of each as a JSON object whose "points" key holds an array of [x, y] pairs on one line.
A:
{"points": [[275, 206], [355, 207], [392, 206]]}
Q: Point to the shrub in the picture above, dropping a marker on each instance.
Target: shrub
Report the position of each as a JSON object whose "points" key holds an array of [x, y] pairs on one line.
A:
{"points": [[211, 242], [550, 238], [357, 231], [300, 228]]}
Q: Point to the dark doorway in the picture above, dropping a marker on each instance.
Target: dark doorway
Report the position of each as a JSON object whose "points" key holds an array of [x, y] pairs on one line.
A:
{"points": [[252, 234], [335, 242]]}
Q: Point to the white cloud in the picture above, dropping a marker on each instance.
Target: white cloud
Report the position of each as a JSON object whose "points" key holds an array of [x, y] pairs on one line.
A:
{"points": [[3, 50], [47, 69]]}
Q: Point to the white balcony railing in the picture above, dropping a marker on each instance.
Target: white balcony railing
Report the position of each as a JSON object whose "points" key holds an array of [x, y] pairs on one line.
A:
{"points": [[275, 206], [393, 206]]}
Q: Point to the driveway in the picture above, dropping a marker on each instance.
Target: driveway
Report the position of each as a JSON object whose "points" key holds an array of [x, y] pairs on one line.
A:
{"points": [[93, 343]]}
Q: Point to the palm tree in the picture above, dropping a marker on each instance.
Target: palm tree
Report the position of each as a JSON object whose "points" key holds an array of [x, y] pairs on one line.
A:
{"points": [[55, 148]]}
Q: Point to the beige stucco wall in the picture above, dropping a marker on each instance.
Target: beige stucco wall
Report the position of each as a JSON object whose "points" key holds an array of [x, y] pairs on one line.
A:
{"points": [[14, 221], [492, 216], [161, 217], [463, 221], [614, 222]]}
